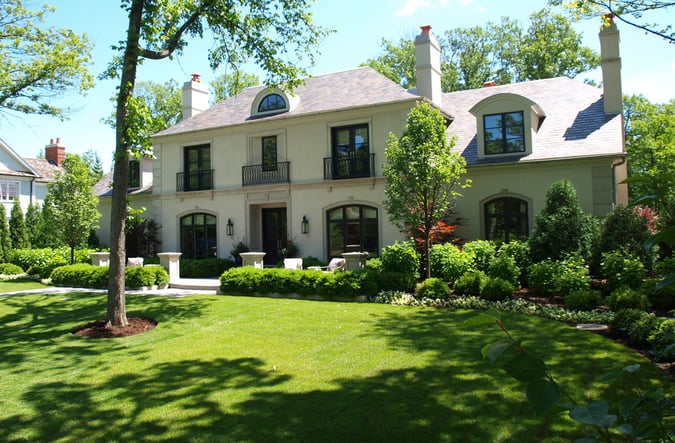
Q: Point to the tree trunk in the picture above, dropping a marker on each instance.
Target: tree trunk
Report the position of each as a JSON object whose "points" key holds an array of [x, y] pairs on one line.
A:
{"points": [[117, 313]]}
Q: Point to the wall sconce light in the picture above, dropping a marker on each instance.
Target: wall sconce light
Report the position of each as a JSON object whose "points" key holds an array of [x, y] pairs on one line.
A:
{"points": [[229, 227], [304, 225]]}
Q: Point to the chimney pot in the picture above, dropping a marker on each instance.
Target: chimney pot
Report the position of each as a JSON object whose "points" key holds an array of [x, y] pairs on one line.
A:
{"points": [[425, 29], [196, 77]]}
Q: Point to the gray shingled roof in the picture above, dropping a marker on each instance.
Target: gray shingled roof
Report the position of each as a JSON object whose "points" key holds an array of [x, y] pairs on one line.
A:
{"points": [[575, 124], [43, 168], [331, 92], [104, 187]]}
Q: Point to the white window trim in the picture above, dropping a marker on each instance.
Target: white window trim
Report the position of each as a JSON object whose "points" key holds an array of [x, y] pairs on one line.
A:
{"points": [[505, 103], [5, 187]]}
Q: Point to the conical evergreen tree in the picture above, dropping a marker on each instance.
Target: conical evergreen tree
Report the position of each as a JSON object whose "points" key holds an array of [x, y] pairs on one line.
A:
{"points": [[5, 241], [33, 224], [562, 227], [17, 227]]}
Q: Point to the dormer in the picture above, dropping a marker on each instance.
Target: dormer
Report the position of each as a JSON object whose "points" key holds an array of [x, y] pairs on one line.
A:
{"points": [[272, 101], [507, 125]]}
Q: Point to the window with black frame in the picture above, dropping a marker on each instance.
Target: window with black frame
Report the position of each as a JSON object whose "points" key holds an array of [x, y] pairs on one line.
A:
{"points": [[134, 174], [269, 153], [198, 173], [351, 151], [198, 237], [272, 102], [504, 133], [352, 228], [506, 219]]}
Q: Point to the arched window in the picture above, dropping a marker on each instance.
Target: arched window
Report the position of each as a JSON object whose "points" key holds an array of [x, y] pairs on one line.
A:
{"points": [[198, 236], [351, 229], [272, 102], [506, 219]]}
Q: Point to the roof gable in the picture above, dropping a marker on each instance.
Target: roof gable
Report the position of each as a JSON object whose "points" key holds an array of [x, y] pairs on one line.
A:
{"points": [[575, 124], [331, 92]]}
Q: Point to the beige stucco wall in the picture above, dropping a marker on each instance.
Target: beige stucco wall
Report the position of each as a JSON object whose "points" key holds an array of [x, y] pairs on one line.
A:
{"points": [[592, 179], [304, 142]]}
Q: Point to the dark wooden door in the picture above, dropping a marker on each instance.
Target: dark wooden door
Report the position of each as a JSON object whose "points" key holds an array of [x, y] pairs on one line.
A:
{"points": [[274, 234]]}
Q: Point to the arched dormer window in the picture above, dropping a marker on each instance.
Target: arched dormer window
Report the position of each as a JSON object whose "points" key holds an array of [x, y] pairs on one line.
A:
{"points": [[506, 125], [272, 102]]}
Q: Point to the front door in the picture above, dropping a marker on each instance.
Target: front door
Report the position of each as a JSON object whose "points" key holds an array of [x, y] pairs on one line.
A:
{"points": [[274, 235]]}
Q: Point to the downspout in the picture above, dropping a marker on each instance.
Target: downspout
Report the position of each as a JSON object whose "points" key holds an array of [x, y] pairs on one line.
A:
{"points": [[32, 190]]}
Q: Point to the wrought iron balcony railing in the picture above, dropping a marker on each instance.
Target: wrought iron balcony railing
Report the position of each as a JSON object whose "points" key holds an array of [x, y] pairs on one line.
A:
{"points": [[337, 168], [194, 181], [257, 175]]}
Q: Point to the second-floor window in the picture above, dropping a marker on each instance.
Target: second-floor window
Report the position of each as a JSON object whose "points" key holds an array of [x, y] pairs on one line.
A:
{"points": [[9, 190], [351, 151], [269, 153], [504, 133], [197, 171], [134, 174]]}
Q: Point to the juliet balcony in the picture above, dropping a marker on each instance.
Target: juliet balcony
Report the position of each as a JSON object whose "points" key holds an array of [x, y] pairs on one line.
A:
{"points": [[194, 181], [358, 166], [265, 175]]}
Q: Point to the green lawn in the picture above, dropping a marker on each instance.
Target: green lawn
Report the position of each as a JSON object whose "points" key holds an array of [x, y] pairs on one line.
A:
{"points": [[220, 368], [20, 285]]}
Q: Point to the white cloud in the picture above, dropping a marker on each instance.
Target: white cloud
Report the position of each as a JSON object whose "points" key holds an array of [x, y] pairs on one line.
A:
{"points": [[411, 7]]}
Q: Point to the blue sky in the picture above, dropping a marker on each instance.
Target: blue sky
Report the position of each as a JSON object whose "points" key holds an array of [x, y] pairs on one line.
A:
{"points": [[648, 62]]}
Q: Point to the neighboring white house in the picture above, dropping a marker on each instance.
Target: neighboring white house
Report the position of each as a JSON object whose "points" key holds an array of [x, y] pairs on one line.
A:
{"points": [[266, 166], [27, 178]]}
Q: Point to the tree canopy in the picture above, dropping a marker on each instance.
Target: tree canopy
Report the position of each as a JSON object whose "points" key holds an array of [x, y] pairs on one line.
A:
{"points": [[38, 64], [635, 13], [278, 35], [650, 146], [422, 174], [227, 85], [505, 52], [73, 206]]}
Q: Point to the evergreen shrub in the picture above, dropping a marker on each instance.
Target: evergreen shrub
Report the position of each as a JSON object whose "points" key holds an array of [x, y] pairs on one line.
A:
{"points": [[205, 267], [583, 300], [433, 288], [471, 283], [497, 289], [627, 298], [10, 269]]}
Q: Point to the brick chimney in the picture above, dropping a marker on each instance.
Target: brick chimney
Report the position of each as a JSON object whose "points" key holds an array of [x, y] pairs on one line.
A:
{"points": [[610, 61], [195, 97], [428, 64], [55, 153]]}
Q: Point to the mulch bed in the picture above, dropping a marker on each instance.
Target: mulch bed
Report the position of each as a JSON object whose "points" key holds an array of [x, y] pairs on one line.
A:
{"points": [[98, 328]]}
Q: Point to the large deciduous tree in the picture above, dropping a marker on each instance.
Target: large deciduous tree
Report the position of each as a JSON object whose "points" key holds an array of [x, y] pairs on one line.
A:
{"points": [[72, 204], [227, 85], [650, 145], [635, 13], [505, 52], [276, 34], [423, 176], [38, 64]]}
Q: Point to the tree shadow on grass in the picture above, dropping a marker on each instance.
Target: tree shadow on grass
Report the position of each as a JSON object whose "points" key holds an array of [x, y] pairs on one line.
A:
{"points": [[245, 400], [36, 325]]}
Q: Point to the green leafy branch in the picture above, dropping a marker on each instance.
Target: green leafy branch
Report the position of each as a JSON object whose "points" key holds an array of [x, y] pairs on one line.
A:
{"points": [[639, 415]]}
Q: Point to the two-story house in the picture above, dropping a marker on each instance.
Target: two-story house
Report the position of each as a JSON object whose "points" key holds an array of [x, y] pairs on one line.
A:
{"points": [[26, 179], [267, 166]]}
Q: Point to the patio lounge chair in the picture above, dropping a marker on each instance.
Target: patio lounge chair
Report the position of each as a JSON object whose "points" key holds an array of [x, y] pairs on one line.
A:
{"points": [[336, 264]]}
